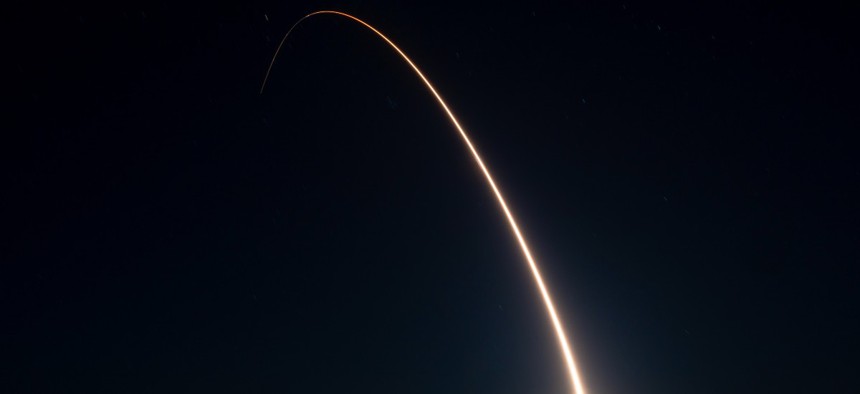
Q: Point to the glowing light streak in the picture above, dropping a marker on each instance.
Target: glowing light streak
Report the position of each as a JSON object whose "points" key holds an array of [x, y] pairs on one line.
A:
{"points": [[547, 299]]}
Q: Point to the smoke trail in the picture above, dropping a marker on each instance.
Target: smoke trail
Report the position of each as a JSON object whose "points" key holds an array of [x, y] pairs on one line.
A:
{"points": [[556, 322]]}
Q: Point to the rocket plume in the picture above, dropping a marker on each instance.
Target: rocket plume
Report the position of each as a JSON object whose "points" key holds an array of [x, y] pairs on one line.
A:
{"points": [[547, 299]]}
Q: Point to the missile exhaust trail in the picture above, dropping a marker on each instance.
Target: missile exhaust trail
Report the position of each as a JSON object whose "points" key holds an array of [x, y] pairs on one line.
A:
{"points": [[547, 299]]}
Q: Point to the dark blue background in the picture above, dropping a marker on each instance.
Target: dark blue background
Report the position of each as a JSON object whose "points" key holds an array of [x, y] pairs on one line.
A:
{"points": [[686, 173]]}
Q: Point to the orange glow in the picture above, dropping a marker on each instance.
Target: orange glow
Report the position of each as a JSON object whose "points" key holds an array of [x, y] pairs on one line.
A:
{"points": [[556, 322]]}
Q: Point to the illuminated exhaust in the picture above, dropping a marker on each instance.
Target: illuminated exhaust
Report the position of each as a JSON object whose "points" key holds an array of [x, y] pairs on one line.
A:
{"points": [[556, 322]]}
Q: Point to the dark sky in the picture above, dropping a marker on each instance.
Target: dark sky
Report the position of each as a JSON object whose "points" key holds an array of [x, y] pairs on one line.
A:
{"points": [[686, 174]]}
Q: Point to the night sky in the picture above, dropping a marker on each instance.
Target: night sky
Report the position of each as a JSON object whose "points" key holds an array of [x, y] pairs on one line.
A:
{"points": [[686, 174]]}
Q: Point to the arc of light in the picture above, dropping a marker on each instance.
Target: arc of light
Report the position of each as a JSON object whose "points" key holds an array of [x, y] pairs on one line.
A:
{"points": [[547, 299]]}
